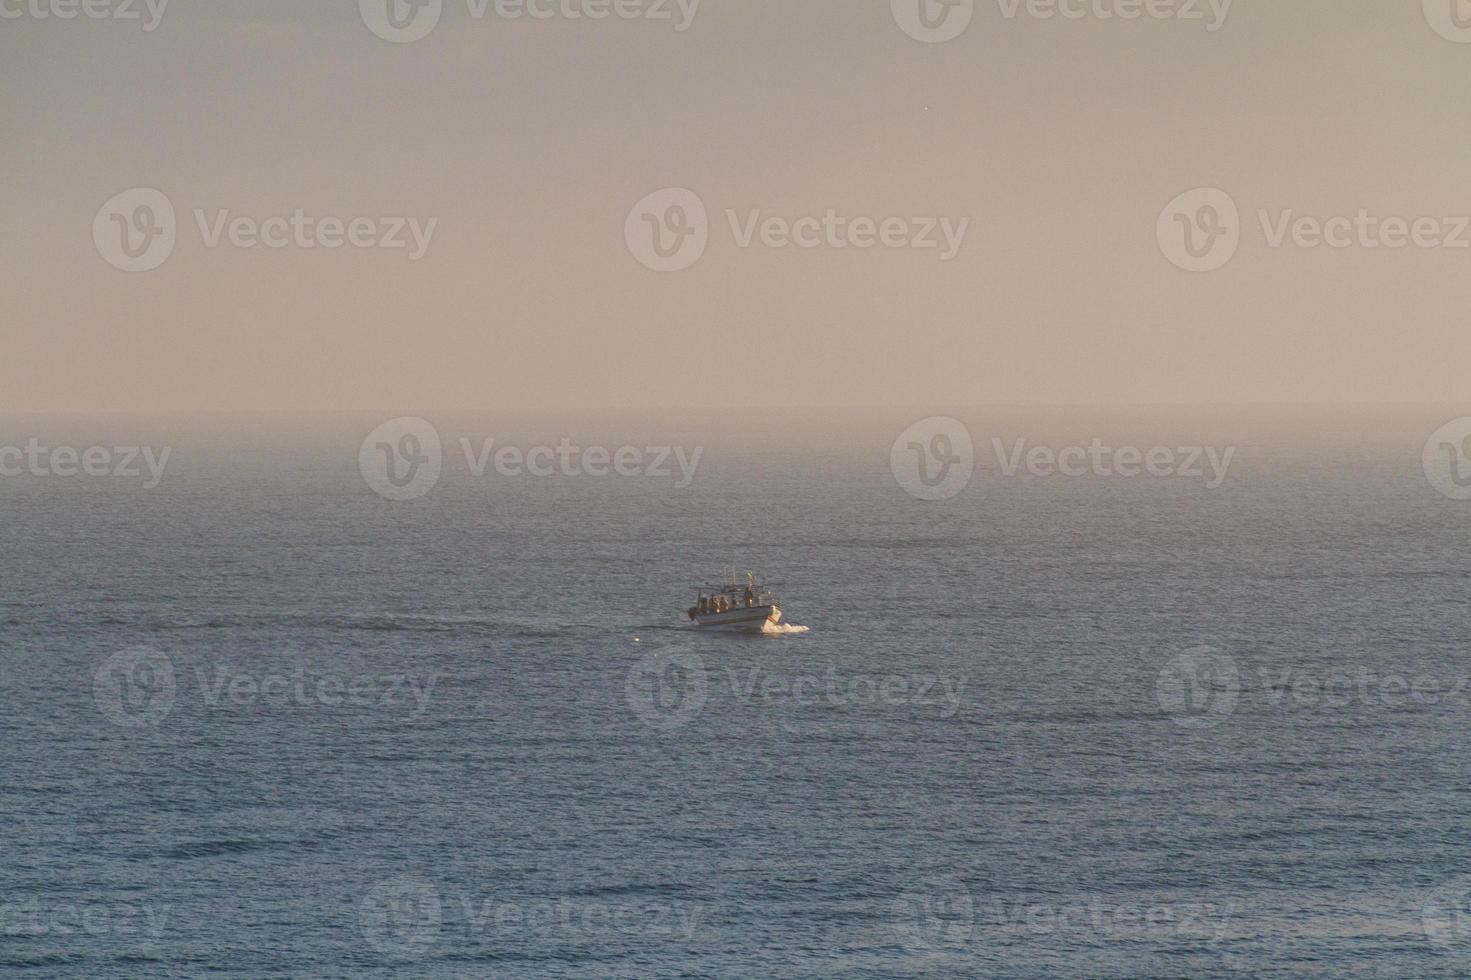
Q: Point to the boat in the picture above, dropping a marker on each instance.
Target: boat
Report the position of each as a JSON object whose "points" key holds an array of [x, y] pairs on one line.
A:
{"points": [[749, 608]]}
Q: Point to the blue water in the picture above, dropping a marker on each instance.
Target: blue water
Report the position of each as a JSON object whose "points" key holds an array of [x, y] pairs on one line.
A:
{"points": [[471, 735]]}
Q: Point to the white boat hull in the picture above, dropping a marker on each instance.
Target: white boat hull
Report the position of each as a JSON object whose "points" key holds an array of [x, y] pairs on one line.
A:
{"points": [[752, 619]]}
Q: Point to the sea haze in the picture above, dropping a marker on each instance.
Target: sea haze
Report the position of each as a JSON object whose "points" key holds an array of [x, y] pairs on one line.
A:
{"points": [[260, 719]]}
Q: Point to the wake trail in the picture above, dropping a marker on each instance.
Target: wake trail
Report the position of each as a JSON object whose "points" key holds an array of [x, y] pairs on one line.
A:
{"points": [[784, 629]]}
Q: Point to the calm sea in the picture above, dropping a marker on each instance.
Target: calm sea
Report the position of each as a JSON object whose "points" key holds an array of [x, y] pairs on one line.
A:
{"points": [[260, 720]]}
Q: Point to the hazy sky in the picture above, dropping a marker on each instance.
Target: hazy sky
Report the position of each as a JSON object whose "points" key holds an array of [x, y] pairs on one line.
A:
{"points": [[529, 142]]}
